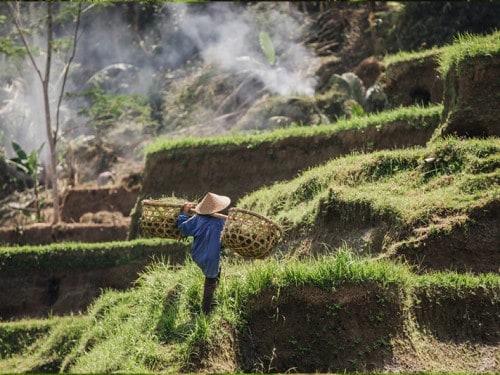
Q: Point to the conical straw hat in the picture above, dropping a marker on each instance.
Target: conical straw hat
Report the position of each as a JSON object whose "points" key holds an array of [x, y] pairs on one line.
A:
{"points": [[212, 203]]}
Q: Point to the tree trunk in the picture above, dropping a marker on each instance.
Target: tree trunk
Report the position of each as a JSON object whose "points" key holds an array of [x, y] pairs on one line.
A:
{"points": [[37, 197], [53, 154], [45, 80], [51, 136]]}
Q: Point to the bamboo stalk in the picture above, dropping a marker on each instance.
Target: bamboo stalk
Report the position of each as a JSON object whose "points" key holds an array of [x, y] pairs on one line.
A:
{"points": [[153, 202]]}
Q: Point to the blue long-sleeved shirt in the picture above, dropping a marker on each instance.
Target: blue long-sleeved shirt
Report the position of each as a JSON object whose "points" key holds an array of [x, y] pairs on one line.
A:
{"points": [[206, 231]]}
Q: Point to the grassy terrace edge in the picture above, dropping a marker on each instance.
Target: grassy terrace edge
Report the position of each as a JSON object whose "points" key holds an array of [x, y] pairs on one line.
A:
{"points": [[373, 120], [464, 46], [404, 56], [418, 189], [76, 255], [467, 46]]}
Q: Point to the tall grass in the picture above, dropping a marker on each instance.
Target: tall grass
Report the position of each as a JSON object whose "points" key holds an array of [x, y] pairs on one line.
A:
{"points": [[48, 352], [15, 336], [157, 326]]}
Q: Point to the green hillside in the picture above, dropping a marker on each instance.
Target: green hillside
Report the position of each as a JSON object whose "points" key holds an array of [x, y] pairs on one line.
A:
{"points": [[448, 177], [156, 327], [402, 199], [368, 131]]}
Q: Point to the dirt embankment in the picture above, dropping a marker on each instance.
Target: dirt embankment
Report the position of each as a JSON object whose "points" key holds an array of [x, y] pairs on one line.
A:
{"points": [[310, 330], [463, 247], [363, 327], [60, 292], [88, 214], [347, 30], [238, 170], [412, 82], [38, 291], [79, 201], [471, 98], [471, 316], [472, 247], [44, 233]]}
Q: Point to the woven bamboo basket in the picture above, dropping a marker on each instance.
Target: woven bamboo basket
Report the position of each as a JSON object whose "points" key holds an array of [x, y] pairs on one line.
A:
{"points": [[159, 219], [249, 234]]}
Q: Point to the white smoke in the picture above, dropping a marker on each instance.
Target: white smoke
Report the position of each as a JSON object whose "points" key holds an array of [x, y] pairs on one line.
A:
{"points": [[21, 98], [224, 35], [228, 38]]}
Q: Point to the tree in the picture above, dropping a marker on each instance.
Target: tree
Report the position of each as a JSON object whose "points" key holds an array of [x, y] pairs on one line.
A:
{"points": [[44, 75]]}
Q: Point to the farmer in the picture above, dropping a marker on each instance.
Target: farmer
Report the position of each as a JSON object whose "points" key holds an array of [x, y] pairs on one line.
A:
{"points": [[206, 227]]}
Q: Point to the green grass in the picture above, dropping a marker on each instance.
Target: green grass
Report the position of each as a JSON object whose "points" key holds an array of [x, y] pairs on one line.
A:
{"points": [[157, 326], [106, 110], [405, 56], [64, 256], [417, 116], [16, 336], [464, 46], [467, 46], [47, 353], [398, 185]]}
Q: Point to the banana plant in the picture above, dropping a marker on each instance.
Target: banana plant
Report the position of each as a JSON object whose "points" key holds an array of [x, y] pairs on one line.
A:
{"points": [[266, 44], [267, 47], [29, 164]]}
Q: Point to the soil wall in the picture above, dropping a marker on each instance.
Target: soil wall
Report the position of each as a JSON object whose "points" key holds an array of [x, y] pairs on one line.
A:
{"points": [[469, 316], [61, 287], [472, 247], [237, 171], [314, 330], [471, 98], [413, 82], [469, 247], [365, 327], [79, 201], [43, 233]]}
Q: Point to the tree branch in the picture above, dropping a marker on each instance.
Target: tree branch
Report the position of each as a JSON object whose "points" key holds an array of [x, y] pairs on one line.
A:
{"points": [[17, 23], [48, 63], [66, 70]]}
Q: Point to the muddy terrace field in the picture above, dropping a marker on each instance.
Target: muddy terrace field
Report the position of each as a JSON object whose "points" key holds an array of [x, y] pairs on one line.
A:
{"points": [[368, 131]]}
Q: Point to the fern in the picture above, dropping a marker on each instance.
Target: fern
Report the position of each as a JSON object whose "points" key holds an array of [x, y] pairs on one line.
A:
{"points": [[266, 44]]}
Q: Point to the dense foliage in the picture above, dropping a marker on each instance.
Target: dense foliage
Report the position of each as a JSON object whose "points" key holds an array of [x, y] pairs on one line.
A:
{"points": [[107, 110]]}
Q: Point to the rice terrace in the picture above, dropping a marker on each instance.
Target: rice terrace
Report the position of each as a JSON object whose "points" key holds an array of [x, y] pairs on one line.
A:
{"points": [[250, 187]]}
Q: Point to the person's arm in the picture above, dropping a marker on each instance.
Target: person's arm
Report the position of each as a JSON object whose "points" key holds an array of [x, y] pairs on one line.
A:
{"points": [[184, 222]]}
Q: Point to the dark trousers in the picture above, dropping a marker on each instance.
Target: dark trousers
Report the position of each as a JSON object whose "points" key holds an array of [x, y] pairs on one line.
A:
{"points": [[208, 293]]}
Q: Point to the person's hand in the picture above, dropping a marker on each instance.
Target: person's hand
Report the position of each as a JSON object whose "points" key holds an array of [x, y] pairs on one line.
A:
{"points": [[187, 207]]}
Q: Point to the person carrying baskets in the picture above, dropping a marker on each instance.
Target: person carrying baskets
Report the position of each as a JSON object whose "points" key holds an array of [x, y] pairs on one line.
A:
{"points": [[205, 226]]}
